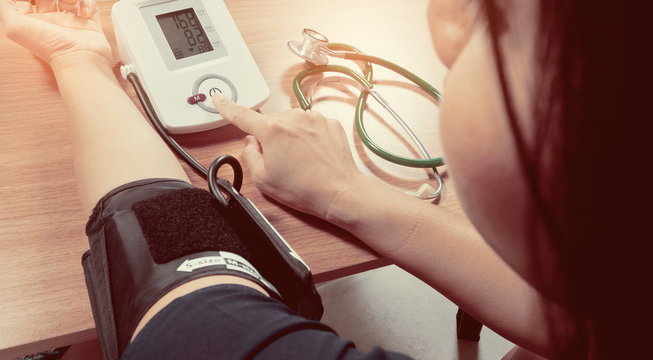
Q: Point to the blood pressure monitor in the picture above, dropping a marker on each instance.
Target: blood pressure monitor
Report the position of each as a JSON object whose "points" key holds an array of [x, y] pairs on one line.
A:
{"points": [[184, 51]]}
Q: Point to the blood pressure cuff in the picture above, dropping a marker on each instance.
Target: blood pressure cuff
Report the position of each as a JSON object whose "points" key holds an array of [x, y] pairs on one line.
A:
{"points": [[150, 236]]}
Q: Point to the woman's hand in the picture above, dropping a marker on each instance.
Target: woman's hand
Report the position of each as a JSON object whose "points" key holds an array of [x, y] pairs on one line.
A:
{"points": [[299, 158], [53, 29]]}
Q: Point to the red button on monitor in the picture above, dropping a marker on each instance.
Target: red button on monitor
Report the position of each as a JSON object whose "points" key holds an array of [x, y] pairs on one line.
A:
{"points": [[196, 99]]}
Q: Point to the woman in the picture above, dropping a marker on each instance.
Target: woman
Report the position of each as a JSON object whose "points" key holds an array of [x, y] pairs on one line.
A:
{"points": [[543, 262]]}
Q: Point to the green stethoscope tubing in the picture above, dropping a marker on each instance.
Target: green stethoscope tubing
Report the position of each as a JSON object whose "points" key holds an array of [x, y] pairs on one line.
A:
{"points": [[365, 80]]}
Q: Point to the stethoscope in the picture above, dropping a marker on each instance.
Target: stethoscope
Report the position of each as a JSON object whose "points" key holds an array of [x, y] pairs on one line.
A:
{"points": [[315, 49]]}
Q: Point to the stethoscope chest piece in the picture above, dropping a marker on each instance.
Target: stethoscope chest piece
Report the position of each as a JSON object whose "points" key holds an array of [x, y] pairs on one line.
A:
{"points": [[311, 47]]}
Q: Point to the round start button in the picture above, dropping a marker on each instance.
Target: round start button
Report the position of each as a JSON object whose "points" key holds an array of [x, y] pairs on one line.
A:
{"points": [[211, 84]]}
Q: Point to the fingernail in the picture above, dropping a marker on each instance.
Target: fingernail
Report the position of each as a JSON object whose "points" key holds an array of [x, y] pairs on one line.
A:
{"points": [[219, 98], [250, 139]]}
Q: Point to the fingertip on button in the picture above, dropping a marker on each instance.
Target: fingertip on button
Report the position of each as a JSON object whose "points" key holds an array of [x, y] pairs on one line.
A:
{"points": [[220, 98]]}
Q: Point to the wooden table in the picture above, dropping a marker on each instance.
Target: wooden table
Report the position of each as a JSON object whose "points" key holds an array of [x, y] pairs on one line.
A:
{"points": [[43, 299]]}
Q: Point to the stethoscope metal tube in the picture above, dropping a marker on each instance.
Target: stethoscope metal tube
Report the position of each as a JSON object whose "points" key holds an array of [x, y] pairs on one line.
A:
{"points": [[315, 48]]}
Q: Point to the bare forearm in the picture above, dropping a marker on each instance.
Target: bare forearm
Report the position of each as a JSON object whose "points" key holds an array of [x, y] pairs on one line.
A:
{"points": [[112, 142], [445, 251]]}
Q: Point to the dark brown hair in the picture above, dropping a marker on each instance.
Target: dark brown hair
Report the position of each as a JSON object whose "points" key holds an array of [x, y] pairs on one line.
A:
{"points": [[585, 170]]}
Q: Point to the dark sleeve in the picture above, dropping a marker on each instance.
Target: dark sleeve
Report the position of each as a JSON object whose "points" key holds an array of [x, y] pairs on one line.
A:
{"points": [[237, 322]]}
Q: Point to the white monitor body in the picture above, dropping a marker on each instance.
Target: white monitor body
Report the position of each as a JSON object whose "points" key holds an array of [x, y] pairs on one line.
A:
{"points": [[183, 51]]}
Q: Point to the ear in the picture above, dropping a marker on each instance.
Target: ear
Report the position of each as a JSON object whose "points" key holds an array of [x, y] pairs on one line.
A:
{"points": [[451, 23]]}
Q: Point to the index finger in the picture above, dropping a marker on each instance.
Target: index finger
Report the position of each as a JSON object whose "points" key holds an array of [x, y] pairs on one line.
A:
{"points": [[243, 117], [43, 6]]}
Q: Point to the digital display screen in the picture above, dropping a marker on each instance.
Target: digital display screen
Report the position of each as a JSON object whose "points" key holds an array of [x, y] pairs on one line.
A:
{"points": [[184, 33]]}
